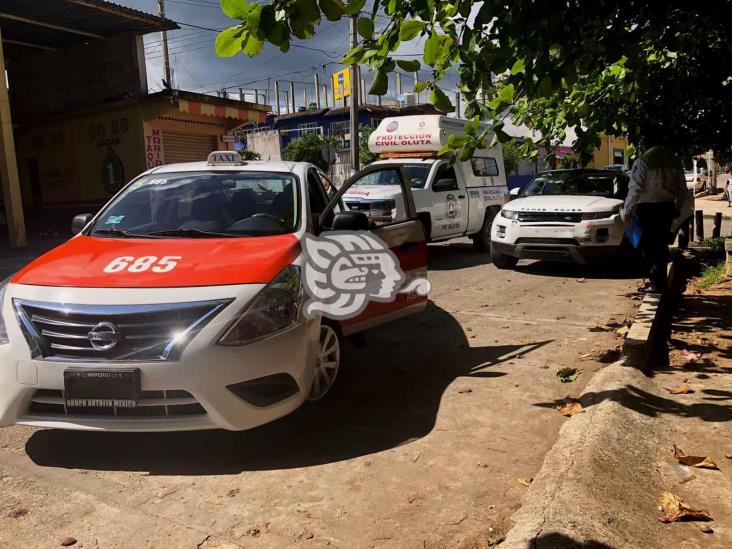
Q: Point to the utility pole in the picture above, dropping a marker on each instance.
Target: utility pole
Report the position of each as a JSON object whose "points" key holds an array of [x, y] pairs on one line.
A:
{"points": [[457, 104], [277, 97], [416, 81], [355, 85], [317, 90], [166, 57], [292, 95]]}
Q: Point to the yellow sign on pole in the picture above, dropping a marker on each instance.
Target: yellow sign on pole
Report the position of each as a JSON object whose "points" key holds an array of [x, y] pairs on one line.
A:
{"points": [[341, 81]]}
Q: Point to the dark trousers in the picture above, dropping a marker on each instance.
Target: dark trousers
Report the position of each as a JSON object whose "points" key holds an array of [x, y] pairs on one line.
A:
{"points": [[655, 220]]}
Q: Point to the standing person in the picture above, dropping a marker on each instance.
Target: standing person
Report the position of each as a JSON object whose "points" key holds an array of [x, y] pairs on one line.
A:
{"points": [[656, 191], [729, 191]]}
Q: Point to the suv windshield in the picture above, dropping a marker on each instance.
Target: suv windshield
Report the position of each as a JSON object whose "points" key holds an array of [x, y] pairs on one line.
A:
{"points": [[203, 204], [609, 185]]}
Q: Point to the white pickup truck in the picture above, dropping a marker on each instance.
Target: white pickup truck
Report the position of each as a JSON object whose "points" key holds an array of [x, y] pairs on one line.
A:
{"points": [[452, 201]]}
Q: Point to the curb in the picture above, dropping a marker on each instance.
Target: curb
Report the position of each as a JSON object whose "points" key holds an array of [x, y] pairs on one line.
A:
{"points": [[598, 478]]}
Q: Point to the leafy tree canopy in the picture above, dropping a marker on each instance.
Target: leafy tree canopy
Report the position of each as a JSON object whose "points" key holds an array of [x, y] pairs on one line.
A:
{"points": [[309, 148], [647, 70]]}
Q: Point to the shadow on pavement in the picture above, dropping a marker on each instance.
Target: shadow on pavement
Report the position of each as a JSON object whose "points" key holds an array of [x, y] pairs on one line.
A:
{"points": [[599, 271], [652, 405], [555, 540], [387, 395], [454, 256]]}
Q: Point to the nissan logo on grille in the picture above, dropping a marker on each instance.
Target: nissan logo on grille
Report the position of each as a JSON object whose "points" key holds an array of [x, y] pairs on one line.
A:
{"points": [[104, 336]]}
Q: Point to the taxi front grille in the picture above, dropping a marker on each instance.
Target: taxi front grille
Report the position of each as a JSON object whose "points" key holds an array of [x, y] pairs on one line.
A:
{"points": [[550, 217], [152, 404], [72, 332]]}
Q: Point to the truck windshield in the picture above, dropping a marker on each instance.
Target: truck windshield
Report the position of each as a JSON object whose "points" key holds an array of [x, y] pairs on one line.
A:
{"points": [[203, 204], [416, 176], [610, 185]]}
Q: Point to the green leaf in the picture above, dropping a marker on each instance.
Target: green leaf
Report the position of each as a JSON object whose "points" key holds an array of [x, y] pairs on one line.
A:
{"points": [[354, 6], [440, 100], [380, 83], [228, 42], [353, 56], [366, 28], [253, 46], [421, 86], [333, 9], [518, 67], [446, 148], [432, 49], [409, 65], [253, 18], [236, 9], [567, 375], [507, 93], [456, 141], [409, 30]]}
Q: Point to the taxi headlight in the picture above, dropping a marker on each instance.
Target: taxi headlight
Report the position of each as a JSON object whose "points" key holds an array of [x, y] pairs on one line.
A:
{"points": [[598, 215], [509, 214], [3, 332], [274, 309]]}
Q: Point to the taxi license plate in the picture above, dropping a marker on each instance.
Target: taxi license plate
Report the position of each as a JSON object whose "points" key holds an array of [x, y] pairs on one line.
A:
{"points": [[102, 388]]}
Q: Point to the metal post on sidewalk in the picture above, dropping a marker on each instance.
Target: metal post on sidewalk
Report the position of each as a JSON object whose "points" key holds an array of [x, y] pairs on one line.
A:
{"points": [[699, 225], [717, 227]]}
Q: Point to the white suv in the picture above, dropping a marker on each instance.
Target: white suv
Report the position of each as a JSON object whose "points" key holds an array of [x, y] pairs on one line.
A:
{"points": [[562, 215]]}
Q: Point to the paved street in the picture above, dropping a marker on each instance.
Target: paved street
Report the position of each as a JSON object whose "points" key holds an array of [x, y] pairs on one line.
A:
{"points": [[422, 443]]}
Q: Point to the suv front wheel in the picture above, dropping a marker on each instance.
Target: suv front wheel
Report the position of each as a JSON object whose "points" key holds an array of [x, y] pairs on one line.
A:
{"points": [[503, 261]]}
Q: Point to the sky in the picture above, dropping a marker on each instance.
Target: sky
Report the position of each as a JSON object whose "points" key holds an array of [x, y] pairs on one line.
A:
{"points": [[196, 66]]}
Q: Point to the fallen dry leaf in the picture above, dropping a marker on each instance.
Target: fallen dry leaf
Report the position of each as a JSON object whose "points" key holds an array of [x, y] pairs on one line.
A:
{"points": [[570, 407], [676, 510], [702, 462], [622, 331], [682, 389], [580, 280], [705, 528], [525, 481]]}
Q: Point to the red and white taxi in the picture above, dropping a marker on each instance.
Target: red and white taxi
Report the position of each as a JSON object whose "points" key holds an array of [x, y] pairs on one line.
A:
{"points": [[179, 305]]}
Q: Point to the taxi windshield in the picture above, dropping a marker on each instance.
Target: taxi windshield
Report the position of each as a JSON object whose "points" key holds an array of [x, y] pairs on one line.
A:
{"points": [[203, 204], [608, 185]]}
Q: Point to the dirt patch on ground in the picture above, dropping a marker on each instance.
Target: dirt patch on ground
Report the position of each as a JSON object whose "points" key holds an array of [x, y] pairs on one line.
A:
{"points": [[694, 392]]}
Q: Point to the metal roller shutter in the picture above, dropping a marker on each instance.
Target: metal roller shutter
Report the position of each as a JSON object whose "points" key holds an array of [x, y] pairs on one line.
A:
{"points": [[180, 147]]}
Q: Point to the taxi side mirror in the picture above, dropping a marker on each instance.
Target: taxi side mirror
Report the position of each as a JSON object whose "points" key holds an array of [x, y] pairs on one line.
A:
{"points": [[351, 221], [514, 192], [80, 221]]}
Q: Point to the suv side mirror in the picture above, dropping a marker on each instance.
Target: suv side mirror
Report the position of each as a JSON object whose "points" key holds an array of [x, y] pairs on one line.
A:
{"points": [[446, 184], [80, 221], [351, 220], [514, 192]]}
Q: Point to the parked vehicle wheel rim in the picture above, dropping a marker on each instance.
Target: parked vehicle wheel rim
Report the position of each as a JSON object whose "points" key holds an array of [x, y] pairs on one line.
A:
{"points": [[326, 363]]}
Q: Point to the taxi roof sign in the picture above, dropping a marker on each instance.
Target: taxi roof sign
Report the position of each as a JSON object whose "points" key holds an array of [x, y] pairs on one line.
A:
{"points": [[225, 158]]}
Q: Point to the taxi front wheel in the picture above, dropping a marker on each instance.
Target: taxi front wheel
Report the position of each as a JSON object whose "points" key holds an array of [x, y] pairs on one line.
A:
{"points": [[328, 359]]}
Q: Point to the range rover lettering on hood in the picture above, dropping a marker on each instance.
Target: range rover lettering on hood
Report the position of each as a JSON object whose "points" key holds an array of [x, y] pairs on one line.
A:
{"points": [[91, 262]]}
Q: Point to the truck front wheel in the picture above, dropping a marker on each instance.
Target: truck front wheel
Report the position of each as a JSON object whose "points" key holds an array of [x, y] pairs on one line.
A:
{"points": [[482, 239]]}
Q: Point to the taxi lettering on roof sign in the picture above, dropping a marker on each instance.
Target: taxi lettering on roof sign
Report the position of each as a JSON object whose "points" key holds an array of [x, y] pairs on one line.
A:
{"points": [[225, 158], [201, 297]]}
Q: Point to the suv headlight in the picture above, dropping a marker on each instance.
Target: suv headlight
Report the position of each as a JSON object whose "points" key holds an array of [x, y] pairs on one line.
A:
{"points": [[3, 331], [274, 309], [598, 215], [509, 214]]}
